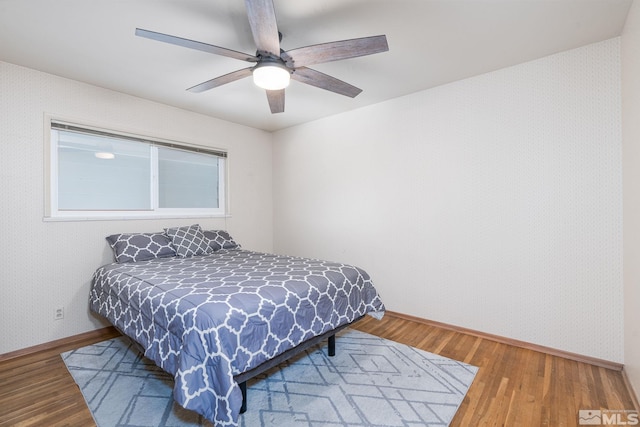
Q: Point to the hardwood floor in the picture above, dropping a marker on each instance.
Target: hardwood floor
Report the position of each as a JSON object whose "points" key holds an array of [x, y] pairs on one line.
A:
{"points": [[37, 389], [514, 386]]}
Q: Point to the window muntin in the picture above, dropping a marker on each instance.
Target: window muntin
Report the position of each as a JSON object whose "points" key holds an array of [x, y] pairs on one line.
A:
{"points": [[96, 174]]}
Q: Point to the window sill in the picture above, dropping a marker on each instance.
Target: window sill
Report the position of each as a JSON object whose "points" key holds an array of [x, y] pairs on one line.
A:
{"points": [[124, 217]]}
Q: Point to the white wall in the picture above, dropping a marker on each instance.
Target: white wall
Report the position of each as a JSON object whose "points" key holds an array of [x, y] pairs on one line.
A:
{"points": [[46, 264], [493, 203], [631, 185]]}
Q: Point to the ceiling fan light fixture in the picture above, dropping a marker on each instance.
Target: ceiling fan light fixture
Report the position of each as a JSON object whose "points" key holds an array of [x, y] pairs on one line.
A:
{"points": [[105, 155], [271, 75]]}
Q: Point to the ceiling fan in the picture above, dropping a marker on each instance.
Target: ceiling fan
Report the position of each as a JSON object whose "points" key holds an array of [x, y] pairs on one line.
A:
{"points": [[273, 66]]}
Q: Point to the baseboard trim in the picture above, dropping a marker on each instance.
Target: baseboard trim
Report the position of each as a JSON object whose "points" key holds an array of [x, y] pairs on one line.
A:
{"points": [[110, 331], [516, 343], [96, 334]]}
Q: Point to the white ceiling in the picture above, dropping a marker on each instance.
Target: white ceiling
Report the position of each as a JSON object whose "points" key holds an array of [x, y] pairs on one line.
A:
{"points": [[431, 42]]}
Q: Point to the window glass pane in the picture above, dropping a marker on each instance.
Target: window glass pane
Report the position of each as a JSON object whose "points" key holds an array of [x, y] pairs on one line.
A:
{"points": [[187, 179], [99, 174], [102, 173]]}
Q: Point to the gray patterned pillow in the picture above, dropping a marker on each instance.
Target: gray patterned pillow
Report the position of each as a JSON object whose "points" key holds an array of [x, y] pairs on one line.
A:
{"points": [[134, 247], [188, 241], [220, 239]]}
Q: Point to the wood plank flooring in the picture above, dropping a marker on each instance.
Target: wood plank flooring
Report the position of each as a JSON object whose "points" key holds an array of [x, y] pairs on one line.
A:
{"points": [[37, 389], [514, 386]]}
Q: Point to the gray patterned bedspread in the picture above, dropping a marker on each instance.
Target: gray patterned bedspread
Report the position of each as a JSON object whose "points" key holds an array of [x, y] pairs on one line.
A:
{"points": [[207, 318]]}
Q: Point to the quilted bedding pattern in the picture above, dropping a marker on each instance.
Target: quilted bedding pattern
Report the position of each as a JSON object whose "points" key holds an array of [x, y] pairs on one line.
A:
{"points": [[207, 318]]}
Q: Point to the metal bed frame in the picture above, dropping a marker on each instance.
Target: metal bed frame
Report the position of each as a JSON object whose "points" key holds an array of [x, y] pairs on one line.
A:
{"points": [[242, 378]]}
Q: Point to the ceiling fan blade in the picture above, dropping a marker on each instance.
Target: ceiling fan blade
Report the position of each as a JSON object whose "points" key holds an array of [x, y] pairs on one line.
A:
{"points": [[219, 81], [324, 81], [262, 19], [276, 100], [192, 44], [334, 51]]}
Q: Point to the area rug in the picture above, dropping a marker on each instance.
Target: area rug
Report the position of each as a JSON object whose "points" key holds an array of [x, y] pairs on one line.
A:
{"points": [[370, 381]]}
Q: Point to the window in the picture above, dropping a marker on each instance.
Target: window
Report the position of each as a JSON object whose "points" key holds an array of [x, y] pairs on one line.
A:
{"points": [[102, 174]]}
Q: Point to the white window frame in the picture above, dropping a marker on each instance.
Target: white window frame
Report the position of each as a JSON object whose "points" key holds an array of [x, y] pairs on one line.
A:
{"points": [[52, 213]]}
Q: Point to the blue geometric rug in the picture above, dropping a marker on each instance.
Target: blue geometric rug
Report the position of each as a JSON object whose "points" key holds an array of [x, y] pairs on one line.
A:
{"points": [[369, 382]]}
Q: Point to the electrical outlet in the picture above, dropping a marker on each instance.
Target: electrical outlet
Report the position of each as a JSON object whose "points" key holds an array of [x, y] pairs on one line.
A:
{"points": [[58, 313]]}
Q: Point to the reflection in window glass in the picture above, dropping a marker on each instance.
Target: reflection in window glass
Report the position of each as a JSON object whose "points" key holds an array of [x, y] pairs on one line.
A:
{"points": [[101, 173]]}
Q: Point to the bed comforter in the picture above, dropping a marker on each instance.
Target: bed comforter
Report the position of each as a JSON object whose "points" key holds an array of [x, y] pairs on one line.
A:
{"points": [[207, 318]]}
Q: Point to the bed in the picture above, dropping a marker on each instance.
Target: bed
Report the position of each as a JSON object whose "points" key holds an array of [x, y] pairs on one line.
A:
{"points": [[215, 314]]}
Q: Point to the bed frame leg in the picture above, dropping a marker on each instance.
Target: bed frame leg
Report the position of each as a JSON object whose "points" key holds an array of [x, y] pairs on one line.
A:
{"points": [[332, 345], [243, 389]]}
